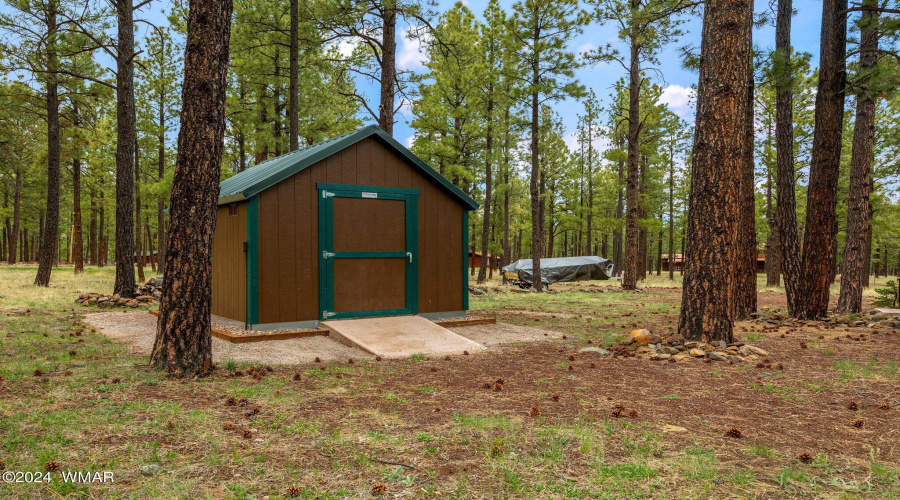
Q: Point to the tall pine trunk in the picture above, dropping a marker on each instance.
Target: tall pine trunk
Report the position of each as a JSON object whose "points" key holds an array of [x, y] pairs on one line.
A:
{"points": [[50, 229], [819, 237], [125, 139], [183, 343], [671, 216], [632, 233], [745, 236], [853, 267], [486, 223], [388, 68], [77, 248], [12, 241], [138, 237], [786, 215], [718, 161], [294, 78], [537, 202]]}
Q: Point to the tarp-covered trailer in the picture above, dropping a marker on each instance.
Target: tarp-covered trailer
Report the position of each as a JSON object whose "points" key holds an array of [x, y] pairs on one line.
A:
{"points": [[561, 269]]}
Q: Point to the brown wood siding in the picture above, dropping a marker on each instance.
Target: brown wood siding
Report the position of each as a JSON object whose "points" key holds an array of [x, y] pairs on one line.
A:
{"points": [[229, 277], [289, 241]]}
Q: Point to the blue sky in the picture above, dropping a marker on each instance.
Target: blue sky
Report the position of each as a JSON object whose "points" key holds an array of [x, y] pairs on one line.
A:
{"points": [[676, 80]]}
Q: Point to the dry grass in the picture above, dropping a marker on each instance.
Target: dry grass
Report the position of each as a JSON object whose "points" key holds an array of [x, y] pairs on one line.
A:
{"points": [[425, 428]]}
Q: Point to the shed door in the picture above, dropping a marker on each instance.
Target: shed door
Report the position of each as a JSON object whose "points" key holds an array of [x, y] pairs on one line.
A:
{"points": [[368, 257]]}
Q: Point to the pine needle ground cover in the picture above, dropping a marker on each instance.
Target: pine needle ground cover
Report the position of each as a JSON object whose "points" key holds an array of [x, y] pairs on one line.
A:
{"points": [[565, 424]]}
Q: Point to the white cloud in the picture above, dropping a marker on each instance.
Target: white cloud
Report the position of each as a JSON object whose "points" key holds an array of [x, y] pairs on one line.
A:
{"points": [[600, 141], [409, 141], [586, 48], [411, 53], [680, 100]]}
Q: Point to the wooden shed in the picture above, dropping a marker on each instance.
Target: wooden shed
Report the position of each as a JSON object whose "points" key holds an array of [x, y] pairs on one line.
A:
{"points": [[355, 226]]}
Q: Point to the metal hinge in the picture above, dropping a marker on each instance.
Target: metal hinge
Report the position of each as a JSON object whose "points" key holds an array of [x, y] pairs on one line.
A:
{"points": [[327, 194], [326, 254], [326, 314]]}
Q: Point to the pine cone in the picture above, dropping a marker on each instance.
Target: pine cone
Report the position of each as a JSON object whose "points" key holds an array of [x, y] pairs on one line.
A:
{"points": [[858, 424], [555, 397], [170, 425], [292, 492], [633, 413], [734, 433], [852, 406], [296, 376], [884, 406], [379, 489], [247, 434], [38, 373], [535, 412], [230, 402], [52, 466], [805, 458], [228, 426]]}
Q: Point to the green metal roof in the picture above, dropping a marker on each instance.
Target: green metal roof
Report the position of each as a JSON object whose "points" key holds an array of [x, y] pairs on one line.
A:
{"points": [[252, 181]]}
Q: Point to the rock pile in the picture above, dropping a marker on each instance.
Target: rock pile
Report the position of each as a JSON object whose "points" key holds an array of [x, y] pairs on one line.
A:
{"points": [[868, 319], [148, 293], [642, 343]]}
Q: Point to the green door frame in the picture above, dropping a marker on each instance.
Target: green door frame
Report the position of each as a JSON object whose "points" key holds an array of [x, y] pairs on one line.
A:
{"points": [[327, 255]]}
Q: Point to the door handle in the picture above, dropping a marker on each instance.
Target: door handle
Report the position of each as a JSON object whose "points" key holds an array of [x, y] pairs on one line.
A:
{"points": [[409, 256]]}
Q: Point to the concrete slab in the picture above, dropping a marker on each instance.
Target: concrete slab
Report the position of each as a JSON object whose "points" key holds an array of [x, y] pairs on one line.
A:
{"points": [[399, 336], [887, 310]]}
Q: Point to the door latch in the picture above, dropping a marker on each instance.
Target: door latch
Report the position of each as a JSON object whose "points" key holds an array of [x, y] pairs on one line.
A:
{"points": [[327, 194], [327, 314], [326, 254], [409, 256]]}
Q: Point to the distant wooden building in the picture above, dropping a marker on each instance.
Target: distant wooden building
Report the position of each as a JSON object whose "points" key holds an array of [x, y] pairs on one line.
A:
{"points": [[354, 226], [475, 261], [678, 262]]}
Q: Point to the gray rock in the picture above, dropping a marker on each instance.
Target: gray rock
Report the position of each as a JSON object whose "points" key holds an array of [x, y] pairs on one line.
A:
{"points": [[670, 350], [596, 350], [691, 344], [151, 470], [716, 356]]}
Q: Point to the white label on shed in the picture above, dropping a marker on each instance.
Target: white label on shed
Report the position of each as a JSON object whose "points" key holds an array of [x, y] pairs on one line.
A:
{"points": [[369, 195]]}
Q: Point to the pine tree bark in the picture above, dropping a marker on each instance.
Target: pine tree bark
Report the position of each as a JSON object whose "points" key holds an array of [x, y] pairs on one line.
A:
{"points": [[77, 248], [12, 241], [138, 237], [853, 266], [183, 343], [161, 173], [125, 139], [819, 238], [388, 68], [49, 230], [294, 78], [745, 236], [671, 216], [773, 249], [537, 202], [718, 161], [632, 236], [488, 174], [786, 208], [590, 191]]}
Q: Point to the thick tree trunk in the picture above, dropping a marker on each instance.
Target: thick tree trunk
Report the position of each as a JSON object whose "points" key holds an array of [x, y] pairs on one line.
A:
{"points": [[537, 202], [632, 232], [125, 139], [388, 69], [101, 238], [294, 78], [819, 243], [486, 223], [745, 236], [183, 339], [718, 160], [786, 215], [50, 230], [853, 266]]}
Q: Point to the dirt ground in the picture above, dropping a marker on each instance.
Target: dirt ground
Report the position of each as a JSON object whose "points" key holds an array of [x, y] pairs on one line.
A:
{"points": [[137, 329]]}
